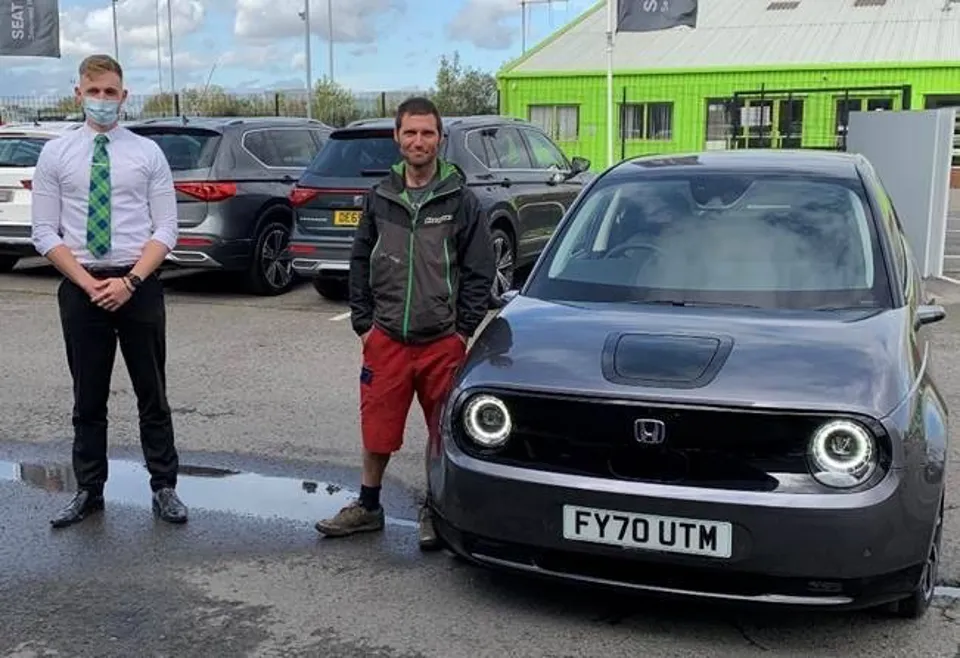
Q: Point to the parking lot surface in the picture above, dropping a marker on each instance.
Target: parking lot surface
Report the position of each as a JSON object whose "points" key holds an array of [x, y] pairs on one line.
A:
{"points": [[264, 392]]}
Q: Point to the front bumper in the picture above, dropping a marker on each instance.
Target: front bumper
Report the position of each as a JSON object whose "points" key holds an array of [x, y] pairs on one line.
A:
{"points": [[837, 550]]}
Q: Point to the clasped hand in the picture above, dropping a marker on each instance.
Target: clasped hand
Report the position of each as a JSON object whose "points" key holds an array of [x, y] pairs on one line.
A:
{"points": [[110, 294]]}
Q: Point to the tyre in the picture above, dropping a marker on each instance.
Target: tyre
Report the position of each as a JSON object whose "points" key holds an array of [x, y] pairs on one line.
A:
{"points": [[504, 253], [917, 604], [7, 263], [334, 289], [271, 268]]}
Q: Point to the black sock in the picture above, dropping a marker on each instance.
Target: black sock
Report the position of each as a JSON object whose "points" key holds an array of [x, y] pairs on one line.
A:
{"points": [[370, 497]]}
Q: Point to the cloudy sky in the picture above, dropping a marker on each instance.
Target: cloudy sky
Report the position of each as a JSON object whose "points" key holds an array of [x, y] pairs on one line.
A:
{"points": [[259, 44]]}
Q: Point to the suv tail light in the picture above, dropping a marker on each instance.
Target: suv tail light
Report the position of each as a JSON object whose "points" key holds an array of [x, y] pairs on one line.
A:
{"points": [[300, 195], [207, 191], [27, 183]]}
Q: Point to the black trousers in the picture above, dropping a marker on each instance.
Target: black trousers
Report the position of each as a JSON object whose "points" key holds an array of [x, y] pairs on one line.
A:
{"points": [[91, 335]]}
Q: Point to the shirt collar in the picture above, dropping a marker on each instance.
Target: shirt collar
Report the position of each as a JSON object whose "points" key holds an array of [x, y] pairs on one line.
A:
{"points": [[111, 134]]}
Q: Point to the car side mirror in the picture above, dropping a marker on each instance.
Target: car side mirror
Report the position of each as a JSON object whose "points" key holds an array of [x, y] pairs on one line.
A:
{"points": [[504, 299], [929, 314], [578, 165]]}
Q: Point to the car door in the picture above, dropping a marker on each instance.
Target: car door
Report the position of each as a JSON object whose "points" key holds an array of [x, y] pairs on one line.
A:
{"points": [[555, 194], [524, 185]]}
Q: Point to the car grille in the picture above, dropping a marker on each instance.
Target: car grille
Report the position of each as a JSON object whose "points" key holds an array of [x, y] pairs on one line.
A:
{"points": [[702, 447]]}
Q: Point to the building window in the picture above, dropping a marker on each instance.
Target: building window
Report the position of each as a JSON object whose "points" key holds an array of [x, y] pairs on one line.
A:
{"points": [[560, 122], [652, 121], [850, 104], [719, 128]]}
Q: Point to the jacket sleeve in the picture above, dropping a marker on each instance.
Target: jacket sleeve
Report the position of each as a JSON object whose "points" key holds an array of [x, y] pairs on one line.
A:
{"points": [[361, 294], [477, 266]]}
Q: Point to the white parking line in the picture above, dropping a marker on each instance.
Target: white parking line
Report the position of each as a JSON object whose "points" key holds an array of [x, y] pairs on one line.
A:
{"points": [[339, 318], [947, 592]]}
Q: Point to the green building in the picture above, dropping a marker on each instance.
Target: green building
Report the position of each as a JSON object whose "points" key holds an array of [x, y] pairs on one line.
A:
{"points": [[752, 74]]}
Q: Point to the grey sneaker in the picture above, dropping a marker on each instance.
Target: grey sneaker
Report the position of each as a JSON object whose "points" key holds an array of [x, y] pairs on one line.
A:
{"points": [[351, 519], [427, 532]]}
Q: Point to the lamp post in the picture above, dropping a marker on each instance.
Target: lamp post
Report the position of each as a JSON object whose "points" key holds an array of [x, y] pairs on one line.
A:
{"points": [[173, 84], [330, 35], [305, 15], [116, 41]]}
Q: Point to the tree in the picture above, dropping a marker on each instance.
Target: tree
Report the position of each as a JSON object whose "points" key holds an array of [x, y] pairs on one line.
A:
{"points": [[334, 104], [462, 92]]}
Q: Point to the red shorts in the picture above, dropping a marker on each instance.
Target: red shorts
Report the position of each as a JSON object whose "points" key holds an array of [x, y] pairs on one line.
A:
{"points": [[392, 372]]}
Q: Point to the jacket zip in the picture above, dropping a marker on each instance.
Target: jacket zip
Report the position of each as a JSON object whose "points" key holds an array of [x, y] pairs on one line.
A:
{"points": [[413, 227]]}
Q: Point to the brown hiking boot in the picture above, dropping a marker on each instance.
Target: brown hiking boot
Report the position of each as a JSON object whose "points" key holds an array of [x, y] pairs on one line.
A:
{"points": [[351, 519], [427, 532]]}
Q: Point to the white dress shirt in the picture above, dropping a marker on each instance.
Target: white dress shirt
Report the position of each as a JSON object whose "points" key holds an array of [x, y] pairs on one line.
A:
{"points": [[143, 201]]}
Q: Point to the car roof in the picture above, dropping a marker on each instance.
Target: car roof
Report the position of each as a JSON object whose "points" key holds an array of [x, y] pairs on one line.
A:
{"points": [[836, 164], [222, 123], [475, 120], [40, 128]]}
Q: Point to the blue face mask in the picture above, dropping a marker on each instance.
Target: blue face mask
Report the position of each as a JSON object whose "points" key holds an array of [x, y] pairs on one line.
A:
{"points": [[102, 112]]}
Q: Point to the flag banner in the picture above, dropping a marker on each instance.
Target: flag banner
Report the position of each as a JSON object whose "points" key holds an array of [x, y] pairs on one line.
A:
{"points": [[653, 15], [29, 28]]}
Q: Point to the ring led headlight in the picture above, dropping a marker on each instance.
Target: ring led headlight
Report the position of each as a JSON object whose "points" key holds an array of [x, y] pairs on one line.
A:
{"points": [[842, 454], [487, 422]]}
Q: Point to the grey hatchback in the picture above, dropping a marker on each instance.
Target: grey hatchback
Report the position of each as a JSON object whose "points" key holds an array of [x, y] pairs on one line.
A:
{"points": [[233, 176]]}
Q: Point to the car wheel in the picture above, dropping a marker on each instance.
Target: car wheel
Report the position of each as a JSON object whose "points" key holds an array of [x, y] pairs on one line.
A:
{"points": [[271, 269], [7, 263], [916, 605], [333, 289], [505, 259]]}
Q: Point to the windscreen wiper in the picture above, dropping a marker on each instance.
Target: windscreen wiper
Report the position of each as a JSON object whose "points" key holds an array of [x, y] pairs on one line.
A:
{"points": [[683, 302], [374, 172]]}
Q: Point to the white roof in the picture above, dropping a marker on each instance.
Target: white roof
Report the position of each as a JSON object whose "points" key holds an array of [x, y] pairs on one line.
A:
{"points": [[738, 33], [40, 128]]}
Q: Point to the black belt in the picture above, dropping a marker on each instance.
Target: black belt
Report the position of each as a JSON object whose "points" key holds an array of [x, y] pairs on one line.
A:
{"points": [[108, 272]]}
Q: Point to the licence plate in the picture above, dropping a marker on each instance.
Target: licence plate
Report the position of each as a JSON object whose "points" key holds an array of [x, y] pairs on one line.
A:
{"points": [[6, 195], [648, 531], [346, 217]]}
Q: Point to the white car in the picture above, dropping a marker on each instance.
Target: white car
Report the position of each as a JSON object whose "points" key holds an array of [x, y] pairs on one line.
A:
{"points": [[20, 145]]}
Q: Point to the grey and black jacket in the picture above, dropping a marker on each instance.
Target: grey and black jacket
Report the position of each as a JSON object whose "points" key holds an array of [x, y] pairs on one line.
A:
{"points": [[421, 273]]}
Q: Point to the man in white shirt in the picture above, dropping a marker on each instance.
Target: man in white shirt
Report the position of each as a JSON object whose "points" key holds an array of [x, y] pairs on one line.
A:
{"points": [[105, 214]]}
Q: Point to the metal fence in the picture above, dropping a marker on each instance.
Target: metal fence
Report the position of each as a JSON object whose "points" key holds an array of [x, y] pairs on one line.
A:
{"points": [[335, 107]]}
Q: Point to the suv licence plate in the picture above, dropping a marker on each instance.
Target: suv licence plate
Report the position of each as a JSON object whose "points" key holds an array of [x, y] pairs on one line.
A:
{"points": [[346, 217]]}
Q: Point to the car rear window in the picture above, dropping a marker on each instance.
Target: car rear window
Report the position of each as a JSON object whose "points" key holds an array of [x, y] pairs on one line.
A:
{"points": [[758, 239], [20, 151], [356, 153], [185, 148]]}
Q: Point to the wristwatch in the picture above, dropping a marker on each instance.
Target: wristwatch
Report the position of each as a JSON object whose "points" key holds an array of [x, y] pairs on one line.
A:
{"points": [[133, 280]]}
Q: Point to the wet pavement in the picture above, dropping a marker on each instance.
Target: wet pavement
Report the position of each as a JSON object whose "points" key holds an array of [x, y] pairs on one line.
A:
{"points": [[265, 410]]}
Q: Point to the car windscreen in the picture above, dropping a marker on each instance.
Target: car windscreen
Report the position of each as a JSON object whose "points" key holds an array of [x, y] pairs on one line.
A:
{"points": [[20, 151], [757, 239], [185, 148], [356, 153]]}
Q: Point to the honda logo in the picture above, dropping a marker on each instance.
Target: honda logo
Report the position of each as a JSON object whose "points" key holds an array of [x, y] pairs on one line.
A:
{"points": [[649, 431]]}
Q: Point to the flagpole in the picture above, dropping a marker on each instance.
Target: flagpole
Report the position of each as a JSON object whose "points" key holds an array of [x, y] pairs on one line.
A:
{"points": [[610, 26]]}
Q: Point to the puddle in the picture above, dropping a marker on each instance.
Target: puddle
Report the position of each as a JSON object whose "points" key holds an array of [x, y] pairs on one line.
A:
{"points": [[204, 488]]}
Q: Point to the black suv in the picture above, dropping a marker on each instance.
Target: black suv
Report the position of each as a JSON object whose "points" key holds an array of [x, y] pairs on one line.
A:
{"points": [[233, 178], [521, 177]]}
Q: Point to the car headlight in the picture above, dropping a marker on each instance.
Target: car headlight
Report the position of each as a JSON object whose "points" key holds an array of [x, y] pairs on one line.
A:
{"points": [[486, 420], [842, 454]]}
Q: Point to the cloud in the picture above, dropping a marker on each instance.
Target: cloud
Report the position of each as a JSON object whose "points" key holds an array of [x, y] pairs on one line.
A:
{"points": [[87, 31], [484, 23], [353, 22]]}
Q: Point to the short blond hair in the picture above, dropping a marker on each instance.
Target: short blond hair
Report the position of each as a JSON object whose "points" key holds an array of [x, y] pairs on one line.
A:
{"points": [[96, 64]]}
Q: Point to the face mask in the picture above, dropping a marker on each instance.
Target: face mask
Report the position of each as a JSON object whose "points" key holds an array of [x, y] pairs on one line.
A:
{"points": [[102, 112]]}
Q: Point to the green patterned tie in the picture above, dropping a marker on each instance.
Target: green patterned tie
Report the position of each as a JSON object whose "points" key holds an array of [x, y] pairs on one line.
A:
{"points": [[98, 211]]}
